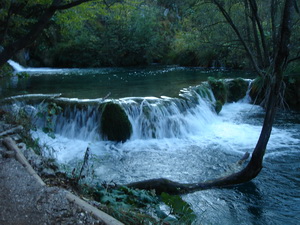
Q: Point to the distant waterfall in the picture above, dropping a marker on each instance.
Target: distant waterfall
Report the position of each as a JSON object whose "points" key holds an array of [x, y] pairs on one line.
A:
{"points": [[16, 66]]}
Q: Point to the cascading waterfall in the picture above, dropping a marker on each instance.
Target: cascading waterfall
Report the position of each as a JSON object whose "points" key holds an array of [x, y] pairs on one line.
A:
{"points": [[79, 123], [151, 118], [170, 117]]}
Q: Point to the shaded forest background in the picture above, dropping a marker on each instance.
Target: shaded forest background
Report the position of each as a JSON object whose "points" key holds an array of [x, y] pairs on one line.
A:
{"points": [[135, 32]]}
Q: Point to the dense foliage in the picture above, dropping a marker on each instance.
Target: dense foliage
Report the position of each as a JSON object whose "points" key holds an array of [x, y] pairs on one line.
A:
{"points": [[141, 32]]}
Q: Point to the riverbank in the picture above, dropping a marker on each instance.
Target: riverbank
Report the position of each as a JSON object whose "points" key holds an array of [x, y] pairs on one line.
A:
{"points": [[26, 199]]}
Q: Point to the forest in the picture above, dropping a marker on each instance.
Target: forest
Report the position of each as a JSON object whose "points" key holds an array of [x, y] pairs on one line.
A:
{"points": [[135, 33]]}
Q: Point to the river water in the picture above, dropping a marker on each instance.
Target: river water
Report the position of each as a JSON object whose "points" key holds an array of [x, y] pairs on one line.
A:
{"points": [[182, 140]]}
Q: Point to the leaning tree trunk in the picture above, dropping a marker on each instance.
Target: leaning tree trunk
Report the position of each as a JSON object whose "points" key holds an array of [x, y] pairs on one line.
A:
{"points": [[9, 51], [256, 163]]}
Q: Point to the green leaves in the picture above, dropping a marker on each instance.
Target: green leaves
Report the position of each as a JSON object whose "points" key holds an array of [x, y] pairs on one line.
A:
{"points": [[179, 208], [48, 114]]}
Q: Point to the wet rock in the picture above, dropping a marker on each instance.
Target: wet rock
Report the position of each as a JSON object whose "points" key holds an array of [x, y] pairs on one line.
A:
{"points": [[237, 89], [115, 125], [218, 106], [219, 89], [47, 172]]}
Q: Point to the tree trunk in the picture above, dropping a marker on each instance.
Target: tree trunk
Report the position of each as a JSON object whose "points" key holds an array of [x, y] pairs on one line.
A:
{"points": [[254, 10], [36, 30], [256, 163], [28, 39]]}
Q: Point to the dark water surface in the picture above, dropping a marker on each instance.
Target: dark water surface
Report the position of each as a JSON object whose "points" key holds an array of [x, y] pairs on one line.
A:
{"points": [[119, 82]]}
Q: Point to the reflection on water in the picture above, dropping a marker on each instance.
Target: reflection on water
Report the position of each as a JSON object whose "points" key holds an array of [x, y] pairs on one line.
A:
{"points": [[120, 82]]}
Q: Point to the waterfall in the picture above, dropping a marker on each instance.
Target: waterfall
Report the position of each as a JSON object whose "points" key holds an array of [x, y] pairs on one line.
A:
{"points": [[79, 123], [151, 118], [16, 66], [170, 117]]}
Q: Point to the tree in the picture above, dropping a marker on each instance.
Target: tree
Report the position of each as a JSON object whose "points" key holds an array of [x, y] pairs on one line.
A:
{"points": [[275, 77], [14, 10]]}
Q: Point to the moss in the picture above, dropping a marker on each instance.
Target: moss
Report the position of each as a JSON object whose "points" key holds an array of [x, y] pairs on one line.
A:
{"points": [[6, 70], [291, 94], [219, 89], [257, 90], [115, 125], [218, 106], [237, 89]]}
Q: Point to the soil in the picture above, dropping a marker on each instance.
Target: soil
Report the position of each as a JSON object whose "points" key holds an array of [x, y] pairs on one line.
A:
{"points": [[24, 201]]}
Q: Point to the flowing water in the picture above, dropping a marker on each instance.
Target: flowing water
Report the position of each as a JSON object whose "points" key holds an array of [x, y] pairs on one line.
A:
{"points": [[183, 139], [119, 82]]}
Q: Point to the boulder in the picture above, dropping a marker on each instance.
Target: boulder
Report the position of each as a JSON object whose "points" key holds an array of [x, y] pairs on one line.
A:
{"points": [[237, 89], [219, 89], [218, 106], [115, 125]]}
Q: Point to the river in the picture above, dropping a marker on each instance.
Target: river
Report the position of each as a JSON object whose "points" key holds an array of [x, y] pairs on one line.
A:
{"points": [[184, 142]]}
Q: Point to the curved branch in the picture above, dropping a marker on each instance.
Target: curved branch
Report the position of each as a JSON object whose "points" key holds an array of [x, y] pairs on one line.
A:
{"points": [[164, 185]]}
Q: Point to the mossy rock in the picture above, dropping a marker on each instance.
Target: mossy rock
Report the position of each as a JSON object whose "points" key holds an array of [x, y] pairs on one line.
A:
{"points": [[218, 106], [219, 89], [237, 89], [257, 90], [115, 125]]}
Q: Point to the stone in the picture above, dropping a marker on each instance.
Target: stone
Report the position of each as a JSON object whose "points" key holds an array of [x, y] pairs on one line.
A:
{"points": [[219, 89], [218, 106], [115, 125], [237, 89]]}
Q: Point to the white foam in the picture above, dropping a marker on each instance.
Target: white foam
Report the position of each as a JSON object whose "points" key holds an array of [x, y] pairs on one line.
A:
{"points": [[18, 68]]}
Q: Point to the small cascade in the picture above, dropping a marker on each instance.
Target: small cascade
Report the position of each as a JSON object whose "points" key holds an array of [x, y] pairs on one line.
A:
{"points": [[171, 117], [82, 123], [16, 66], [151, 118]]}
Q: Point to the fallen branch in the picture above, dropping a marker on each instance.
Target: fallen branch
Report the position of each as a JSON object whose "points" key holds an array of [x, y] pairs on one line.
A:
{"points": [[161, 185], [107, 219], [11, 131]]}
